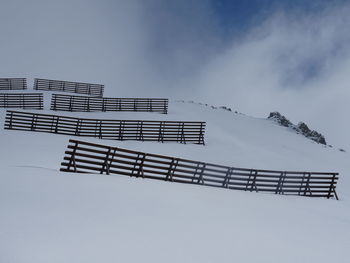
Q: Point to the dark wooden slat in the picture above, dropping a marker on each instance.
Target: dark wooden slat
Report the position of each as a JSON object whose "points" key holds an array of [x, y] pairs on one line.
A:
{"points": [[90, 104], [13, 83], [22, 100], [90, 157], [140, 130], [69, 86]]}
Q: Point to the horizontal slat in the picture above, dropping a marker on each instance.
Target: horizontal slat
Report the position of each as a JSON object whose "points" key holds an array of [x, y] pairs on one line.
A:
{"points": [[84, 157], [13, 84], [69, 86], [88, 104], [21, 100], [140, 130]]}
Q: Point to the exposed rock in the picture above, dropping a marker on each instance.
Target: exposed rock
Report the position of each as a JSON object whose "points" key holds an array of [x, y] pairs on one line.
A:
{"points": [[303, 128], [317, 137], [300, 128], [225, 108], [280, 119]]}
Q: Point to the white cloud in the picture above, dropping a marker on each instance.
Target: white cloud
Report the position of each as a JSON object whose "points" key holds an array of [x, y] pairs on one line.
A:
{"points": [[294, 63]]}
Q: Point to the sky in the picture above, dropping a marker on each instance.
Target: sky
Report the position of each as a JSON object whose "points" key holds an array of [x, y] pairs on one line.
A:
{"points": [[254, 56]]}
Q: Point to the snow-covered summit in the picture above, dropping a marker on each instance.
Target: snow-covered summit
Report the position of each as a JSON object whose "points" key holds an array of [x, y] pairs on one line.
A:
{"points": [[48, 216]]}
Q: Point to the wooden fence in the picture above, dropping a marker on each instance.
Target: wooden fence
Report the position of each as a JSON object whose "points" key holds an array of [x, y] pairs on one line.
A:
{"points": [[84, 157], [13, 83], [140, 130], [21, 100], [87, 104], [69, 86]]}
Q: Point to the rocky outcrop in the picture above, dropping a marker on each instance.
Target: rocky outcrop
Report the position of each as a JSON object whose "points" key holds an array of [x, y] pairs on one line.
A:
{"points": [[300, 128], [313, 135], [280, 119]]}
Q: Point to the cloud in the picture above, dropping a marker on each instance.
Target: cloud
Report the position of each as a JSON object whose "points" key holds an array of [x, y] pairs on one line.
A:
{"points": [[134, 47], [296, 63], [109, 42], [292, 61]]}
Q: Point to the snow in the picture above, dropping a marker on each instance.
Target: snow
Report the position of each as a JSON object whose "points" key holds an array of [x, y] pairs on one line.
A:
{"points": [[48, 216]]}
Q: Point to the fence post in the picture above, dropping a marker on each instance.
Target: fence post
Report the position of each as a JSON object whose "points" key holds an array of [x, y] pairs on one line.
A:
{"points": [[34, 120], [165, 107], [171, 170], [150, 108], [332, 188], [183, 133], [41, 102], [227, 177], [119, 104], [307, 186], [72, 159], [200, 167], [106, 163], [252, 178], [11, 116], [161, 132], [301, 184], [121, 129], [71, 103], [279, 187], [52, 123], [100, 130], [54, 102], [103, 105], [78, 127], [139, 162], [201, 135], [139, 132]]}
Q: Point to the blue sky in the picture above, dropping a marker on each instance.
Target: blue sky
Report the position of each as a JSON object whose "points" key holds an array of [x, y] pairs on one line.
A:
{"points": [[238, 15]]}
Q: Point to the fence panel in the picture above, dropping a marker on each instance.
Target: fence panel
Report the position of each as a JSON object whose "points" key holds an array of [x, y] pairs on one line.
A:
{"points": [[140, 130], [89, 104], [84, 157], [69, 86], [13, 84], [22, 100]]}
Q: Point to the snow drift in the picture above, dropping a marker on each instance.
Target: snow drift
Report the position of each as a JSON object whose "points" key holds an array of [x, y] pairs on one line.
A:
{"points": [[48, 216]]}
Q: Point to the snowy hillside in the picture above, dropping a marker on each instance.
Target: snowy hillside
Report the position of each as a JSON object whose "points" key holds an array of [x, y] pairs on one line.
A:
{"points": [[48, 216]]}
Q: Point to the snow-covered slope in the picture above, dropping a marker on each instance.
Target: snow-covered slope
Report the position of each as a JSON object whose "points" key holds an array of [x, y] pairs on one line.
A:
{"points": [[48, 216]]}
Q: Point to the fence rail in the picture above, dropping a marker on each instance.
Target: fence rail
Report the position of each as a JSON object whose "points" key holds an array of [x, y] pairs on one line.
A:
{"points": [[69, 86], [13, 84], [88, 104], [21, 100], [84, 157], [140, 130]]}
